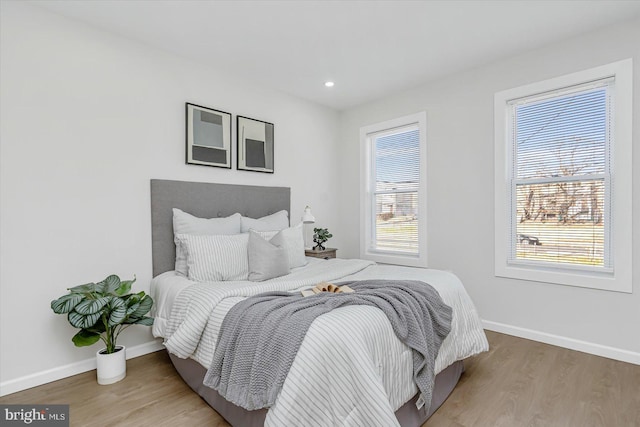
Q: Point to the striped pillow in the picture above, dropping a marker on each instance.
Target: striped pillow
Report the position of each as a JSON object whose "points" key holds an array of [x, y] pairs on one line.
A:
{"points": [[184, 223], [216, 258]]}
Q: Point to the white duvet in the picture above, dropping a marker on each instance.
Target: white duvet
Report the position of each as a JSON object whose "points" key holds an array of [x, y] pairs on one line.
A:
{"points": [[350, 369]]}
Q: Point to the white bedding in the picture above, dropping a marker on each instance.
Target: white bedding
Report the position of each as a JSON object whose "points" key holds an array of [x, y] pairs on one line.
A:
{"points": [[355, 375]]}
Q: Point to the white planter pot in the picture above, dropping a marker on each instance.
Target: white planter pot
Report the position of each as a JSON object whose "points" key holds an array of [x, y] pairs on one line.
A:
{"points": [[111, 367]]}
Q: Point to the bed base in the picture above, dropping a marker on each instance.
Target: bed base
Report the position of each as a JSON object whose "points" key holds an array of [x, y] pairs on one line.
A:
{"points": [[408, 415]]}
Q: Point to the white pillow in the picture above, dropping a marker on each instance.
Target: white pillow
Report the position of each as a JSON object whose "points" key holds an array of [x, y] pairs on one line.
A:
{"points": [[266, 235], [216, 258], [292, 239], [266, 260], [184, 223], [277, 221]]}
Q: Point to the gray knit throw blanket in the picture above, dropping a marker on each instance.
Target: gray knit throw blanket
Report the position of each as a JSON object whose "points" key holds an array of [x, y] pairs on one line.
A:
{"points": [[260, 336]]}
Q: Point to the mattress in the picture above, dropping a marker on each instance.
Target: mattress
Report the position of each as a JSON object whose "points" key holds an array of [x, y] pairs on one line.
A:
{"points": [[376, 381]]}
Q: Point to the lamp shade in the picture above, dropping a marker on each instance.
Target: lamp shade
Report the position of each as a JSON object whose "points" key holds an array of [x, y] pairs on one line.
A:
{"points": [[307, 217]]}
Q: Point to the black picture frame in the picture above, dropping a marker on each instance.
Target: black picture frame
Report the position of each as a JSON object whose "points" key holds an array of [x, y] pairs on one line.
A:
{"points": [[254, 144], [208, 136]]}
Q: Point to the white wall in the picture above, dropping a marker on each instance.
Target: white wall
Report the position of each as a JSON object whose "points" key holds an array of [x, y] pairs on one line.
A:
{"points": [[461, 202], [88, 118]]}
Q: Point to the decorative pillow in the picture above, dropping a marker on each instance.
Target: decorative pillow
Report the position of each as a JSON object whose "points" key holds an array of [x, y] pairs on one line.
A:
{"points": [[266, 260], [266, 235], [184, 223], [292, 239], [216, 258], [277, 221]]}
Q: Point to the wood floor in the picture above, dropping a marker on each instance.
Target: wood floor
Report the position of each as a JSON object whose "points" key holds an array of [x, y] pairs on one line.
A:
{"points": [[517, 383]]}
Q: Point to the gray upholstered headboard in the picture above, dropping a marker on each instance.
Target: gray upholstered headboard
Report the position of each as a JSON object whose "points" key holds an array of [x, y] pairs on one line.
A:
{"points": [[204, 200]]}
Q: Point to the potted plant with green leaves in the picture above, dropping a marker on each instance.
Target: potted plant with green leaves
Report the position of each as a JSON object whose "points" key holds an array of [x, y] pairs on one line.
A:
{"points": [[102, 311], [320, 236]]}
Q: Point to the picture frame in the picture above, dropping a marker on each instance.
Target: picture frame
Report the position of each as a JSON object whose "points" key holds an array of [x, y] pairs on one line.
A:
{"points": [[255, 139], [208, 136]]}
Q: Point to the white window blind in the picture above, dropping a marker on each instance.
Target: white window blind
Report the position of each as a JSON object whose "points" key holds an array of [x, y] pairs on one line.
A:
{"points": [[563, 173], [396, 183], [560, 200]]}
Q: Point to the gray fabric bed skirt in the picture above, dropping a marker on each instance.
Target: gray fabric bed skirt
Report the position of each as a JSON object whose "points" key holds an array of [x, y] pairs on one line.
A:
{"points": [[408, 415]]}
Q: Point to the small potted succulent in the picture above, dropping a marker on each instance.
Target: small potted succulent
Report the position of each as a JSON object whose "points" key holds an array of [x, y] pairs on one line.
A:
{"points": [[320, 236], [102, 311]]}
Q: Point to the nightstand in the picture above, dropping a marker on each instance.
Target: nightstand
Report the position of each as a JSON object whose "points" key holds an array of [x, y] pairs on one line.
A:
{"points": [[326, 254]]}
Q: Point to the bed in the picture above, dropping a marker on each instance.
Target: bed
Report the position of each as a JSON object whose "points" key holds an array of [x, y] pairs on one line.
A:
{"points": [[360, 375]]}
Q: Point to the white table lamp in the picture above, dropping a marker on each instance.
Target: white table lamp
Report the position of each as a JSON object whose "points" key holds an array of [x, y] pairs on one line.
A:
{"points": [[307, 218]]}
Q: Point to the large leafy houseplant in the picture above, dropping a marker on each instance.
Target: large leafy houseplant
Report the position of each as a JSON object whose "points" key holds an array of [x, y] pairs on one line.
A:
{"points": [[103, 310]]}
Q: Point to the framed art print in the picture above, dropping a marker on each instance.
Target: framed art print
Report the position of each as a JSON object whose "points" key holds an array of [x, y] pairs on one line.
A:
{"points": [[208, 136], [255, 145]]}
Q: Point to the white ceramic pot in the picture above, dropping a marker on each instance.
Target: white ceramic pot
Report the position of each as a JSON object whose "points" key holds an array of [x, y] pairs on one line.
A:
{"points": [[111, 367]]}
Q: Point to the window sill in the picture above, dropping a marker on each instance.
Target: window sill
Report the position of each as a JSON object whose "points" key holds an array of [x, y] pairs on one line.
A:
{"points": [[395, 259], [602, 280]]}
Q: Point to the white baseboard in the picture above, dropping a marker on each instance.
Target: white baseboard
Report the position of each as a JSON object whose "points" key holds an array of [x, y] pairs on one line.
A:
{"points": [[54, 374], [560, 341]]}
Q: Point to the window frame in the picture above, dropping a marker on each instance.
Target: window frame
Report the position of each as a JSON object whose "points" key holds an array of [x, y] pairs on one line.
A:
{"points": [[368, 192], [618, 276]]}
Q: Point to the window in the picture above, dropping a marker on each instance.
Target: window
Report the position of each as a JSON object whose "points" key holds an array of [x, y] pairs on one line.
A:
{"points": [[563, 179], [393, 204]]}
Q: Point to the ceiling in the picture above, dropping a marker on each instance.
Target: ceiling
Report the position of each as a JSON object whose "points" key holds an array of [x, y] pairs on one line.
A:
{"points": [[370, 49]]}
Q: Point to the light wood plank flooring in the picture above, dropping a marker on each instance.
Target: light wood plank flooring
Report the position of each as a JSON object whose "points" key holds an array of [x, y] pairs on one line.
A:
{"points": [[517, 383]]}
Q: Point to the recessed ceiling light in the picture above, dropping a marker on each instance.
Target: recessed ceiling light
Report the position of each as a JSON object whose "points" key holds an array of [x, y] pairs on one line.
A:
{"points": [[328, 84]]}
